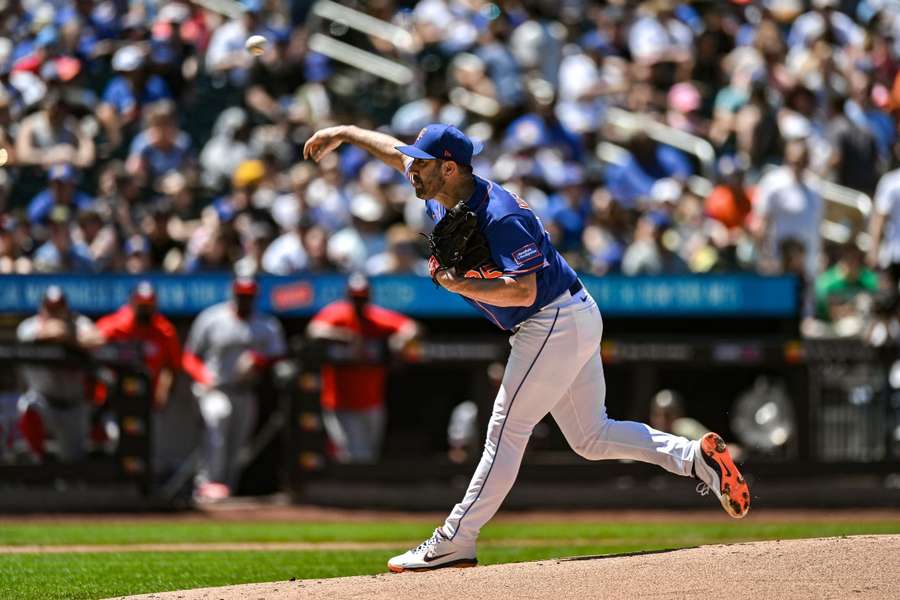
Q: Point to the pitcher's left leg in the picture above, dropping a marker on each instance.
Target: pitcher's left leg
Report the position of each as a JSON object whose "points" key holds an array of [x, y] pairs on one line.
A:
{"points": [[581, 415]]}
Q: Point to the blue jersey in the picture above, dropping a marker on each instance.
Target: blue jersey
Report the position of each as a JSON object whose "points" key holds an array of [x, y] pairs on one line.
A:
{"points": [[519, 246]]}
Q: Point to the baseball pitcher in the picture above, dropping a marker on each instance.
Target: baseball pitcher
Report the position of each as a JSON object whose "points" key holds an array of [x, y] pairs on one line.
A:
{"points": [[489, 247]]}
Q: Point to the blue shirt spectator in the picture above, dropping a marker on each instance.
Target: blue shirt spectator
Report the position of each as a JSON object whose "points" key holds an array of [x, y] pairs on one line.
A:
{"points": [[124, 99], [61, 192], [535, 131], [645, 165], [61, 254], [162, 147]]}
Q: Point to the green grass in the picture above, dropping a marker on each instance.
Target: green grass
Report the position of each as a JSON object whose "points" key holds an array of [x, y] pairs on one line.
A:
{"points": [[99, 575], [405, 532]]}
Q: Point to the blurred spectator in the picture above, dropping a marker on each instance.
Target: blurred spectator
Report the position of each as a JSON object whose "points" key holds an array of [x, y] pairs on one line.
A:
{"points": [[229, 347], [539, 128], [854, 151], [13, 253], [501, 65], [352, 246], [757, 136], [165, 251], [536, 81], [56, 418], [127, 93], [683, 104], [60, 253], [789, 207], [884, 226], [99, 238], [588, 80], [118, 199], [61, 193], [327, 196], [137, 255], [824, 18], [217, 253], [243, 200], [256, 242], [287, 253], [647, 163], [173, 47], [569, 208], [648, 254], [403, 254], [729, 201], [274, 78], [54, 134], [140, 321], [657, 35], [353, 393], [838, 289], [161, 147], [229, 147], [225, 56]]}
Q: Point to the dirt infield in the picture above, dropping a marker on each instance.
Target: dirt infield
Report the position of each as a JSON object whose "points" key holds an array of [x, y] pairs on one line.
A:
{"points": [[863, 567]]}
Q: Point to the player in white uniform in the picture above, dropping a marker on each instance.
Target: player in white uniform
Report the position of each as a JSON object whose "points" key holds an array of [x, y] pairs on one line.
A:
{"points": [[228, 347], [57, 403], [555, 363]]}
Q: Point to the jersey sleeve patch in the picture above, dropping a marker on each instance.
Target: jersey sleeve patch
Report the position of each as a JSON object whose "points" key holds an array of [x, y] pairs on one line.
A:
{"points": [[526, 253]]}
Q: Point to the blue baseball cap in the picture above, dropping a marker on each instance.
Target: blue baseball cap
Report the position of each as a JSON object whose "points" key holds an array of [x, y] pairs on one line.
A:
{"points": [[62, 172], [443, 142]]}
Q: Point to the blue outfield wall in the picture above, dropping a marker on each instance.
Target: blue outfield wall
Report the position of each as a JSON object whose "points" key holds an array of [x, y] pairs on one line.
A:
{"points": [[184, 295]]}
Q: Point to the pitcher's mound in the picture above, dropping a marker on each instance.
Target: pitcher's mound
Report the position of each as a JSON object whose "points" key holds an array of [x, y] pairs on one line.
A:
{"points": [[839, 568]]}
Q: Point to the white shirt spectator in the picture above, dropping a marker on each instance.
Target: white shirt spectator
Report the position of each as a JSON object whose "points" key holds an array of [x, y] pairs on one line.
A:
{"points": [[285, 255], [887, 203], [649, 39], [226, 47], [810, 26], [578, 74], [794, 209]]}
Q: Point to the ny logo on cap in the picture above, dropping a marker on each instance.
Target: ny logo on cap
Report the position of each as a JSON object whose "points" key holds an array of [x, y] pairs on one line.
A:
{"points": [[421, 133]]}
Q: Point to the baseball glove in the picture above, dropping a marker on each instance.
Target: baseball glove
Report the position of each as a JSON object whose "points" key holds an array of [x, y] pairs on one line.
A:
{"points": [[457, 243]]}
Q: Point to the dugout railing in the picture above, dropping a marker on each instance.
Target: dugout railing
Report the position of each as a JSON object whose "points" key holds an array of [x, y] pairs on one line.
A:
{"points": [[845, 425], [118, 386]]}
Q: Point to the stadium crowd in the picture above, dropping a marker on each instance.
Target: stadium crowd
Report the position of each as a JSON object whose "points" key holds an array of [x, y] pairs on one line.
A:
{"points": [[141, 136]]}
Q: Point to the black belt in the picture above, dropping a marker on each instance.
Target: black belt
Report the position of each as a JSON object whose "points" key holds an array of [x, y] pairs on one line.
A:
{"points": [[575, 287]]}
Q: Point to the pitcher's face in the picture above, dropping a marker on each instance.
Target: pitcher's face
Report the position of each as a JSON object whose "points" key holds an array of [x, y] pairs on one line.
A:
{"points": [[426, 177]]}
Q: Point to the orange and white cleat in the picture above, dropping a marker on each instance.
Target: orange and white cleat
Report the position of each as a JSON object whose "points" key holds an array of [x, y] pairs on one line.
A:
{"points": [[717, 472]]}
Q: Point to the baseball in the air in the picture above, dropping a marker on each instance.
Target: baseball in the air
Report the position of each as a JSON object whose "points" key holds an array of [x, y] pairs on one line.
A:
{"points": [[256, 45]]}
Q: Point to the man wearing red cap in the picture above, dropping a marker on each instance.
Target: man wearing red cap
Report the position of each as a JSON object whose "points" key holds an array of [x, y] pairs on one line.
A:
{"points": [[229, 346], [140, 321], [353, 394], [50, 410]]}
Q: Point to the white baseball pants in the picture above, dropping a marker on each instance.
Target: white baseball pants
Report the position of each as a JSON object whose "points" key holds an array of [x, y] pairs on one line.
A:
{"points": [[555, 366], [229, 414]]}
